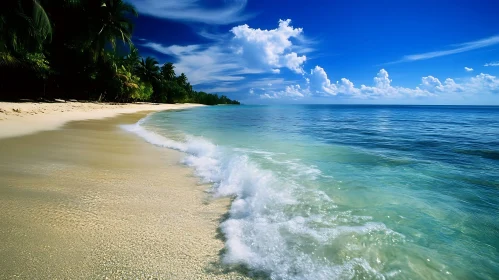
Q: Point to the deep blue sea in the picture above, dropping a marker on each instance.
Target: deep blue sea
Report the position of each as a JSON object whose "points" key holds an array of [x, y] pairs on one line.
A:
{"points": [[347, 191]]}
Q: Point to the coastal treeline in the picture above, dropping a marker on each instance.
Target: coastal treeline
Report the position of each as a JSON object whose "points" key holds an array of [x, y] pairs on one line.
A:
{"points": [[83, 49]]}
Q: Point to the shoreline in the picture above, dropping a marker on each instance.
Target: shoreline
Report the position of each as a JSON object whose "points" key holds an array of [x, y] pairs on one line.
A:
{"points": [[90, 200], [18, 119]]}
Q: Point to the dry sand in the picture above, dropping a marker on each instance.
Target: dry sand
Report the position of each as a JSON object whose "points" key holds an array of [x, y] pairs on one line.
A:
{"points": [[24, 118], [91, 201]]}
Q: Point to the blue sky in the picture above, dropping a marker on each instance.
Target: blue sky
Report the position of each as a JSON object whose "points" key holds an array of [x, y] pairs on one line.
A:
{"points": [[356, 51]]}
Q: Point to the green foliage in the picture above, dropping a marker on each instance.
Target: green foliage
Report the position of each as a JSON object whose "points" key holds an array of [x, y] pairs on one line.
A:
{"points": [[38, 61], [168, 71], [24, 26], [133, 88], [145, 92], [83, 49]]}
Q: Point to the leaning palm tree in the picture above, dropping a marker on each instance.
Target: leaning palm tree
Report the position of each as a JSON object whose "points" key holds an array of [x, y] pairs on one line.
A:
{"points": [[112, 23], [24, 26]]}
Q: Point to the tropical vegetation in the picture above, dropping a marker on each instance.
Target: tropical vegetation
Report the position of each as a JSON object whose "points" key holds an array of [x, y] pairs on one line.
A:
{"points": [[83, 49]]}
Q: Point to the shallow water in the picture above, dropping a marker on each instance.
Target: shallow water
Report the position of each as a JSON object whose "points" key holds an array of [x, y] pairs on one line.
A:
{"points": [[330, 191]]}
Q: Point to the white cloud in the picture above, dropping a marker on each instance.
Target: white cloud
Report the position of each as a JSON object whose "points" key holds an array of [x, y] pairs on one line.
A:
{"points": [[270, 49], [292, 91], [221, 66], [269, 82], [345, 86], [173, 50], [269, 96], [219, 90], [320, 83], [458, 48], [241, 51], [431, 86], [317, 83], [383, 89], [193, 10], [430, 82], [204, 65], [294, 62], [382, 80], [495, 63], [451, 86], [483, 83], [468, 69]]}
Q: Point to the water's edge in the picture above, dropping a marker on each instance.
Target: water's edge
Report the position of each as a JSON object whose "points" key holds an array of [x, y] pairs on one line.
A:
{"points": [[330, 192]]}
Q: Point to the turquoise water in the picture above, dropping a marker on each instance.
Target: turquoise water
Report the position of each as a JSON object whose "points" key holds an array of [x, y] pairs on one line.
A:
{"points": [[348, 192]]}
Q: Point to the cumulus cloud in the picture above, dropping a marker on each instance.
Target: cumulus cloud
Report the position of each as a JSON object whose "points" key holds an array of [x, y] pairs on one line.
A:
{"points": [[483, 83], [382, 80], [292, 91], [318, 84], [382, 86], [383, 89], [430, 82], [221, 66], [321, 85], [193, 10], [269, 49], [451, 86], [496, 63], [468, 69], [243, 51]]}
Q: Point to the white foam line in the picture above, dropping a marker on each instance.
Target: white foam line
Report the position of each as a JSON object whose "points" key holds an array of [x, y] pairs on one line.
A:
{"points": [[260, 231]]}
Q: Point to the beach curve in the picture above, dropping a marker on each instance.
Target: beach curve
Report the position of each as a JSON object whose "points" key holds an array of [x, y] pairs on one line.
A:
{"points": [[90, 200], [23, 118]]}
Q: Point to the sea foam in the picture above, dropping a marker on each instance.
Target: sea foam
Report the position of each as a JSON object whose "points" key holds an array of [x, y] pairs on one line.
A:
{"points": [[270, 228]]}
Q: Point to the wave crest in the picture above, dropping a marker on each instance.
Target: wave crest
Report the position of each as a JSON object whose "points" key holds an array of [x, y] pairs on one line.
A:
{"points": [[270, 227]]}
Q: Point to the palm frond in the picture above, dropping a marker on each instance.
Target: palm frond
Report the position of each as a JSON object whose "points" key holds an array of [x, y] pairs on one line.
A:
{"points": [[8, 60], [41, 21]]}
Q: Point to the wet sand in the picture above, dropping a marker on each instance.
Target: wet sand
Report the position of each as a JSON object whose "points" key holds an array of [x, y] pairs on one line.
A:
{"points": [[91, 201]]}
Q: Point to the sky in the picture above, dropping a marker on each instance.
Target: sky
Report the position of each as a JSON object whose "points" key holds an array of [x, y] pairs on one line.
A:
{"points": [[325, 51]]}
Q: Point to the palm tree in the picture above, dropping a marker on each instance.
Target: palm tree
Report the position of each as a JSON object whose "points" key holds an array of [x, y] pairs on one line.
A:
{"points": [[24, 26], [168, 71], [182, 80], [112, 23], [133, 60], [149, 70]]}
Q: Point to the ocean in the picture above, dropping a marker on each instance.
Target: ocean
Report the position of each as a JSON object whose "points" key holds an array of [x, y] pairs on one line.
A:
{"points": [[347, 191]]}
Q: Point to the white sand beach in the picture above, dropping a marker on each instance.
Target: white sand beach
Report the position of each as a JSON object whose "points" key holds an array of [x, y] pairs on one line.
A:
{"points": [[28, 117], [86, 200]]}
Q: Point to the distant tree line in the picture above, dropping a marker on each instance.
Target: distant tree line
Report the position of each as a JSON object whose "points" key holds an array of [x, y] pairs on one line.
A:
{"points": [[82, 49]]}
